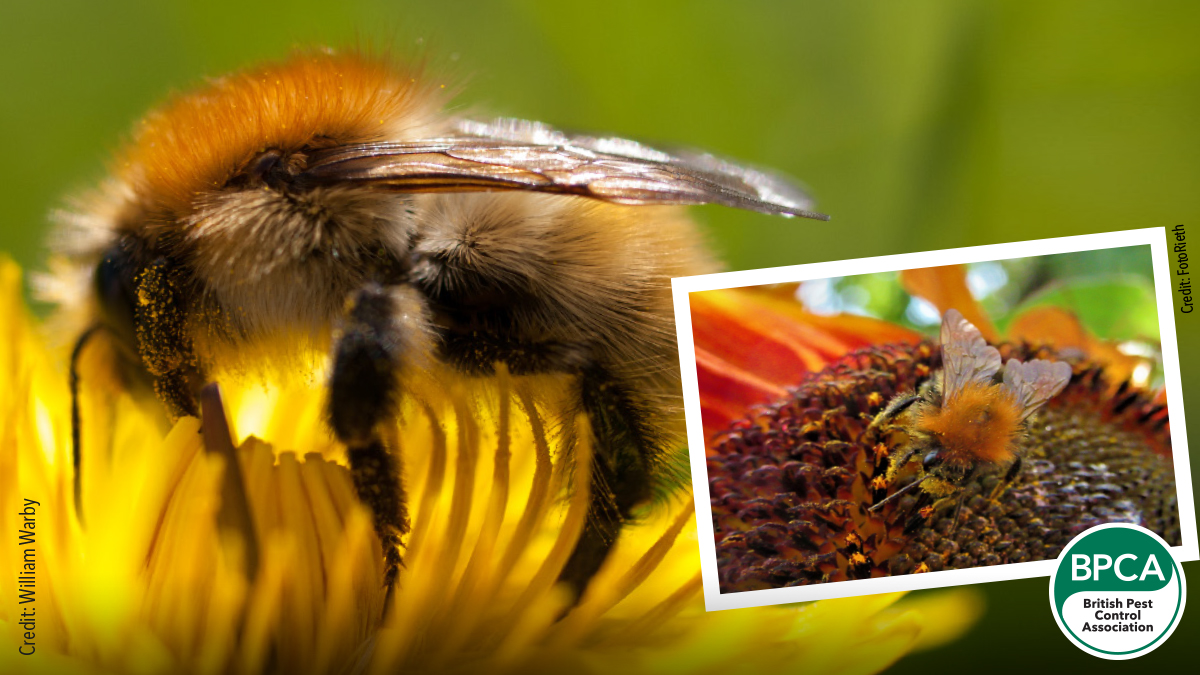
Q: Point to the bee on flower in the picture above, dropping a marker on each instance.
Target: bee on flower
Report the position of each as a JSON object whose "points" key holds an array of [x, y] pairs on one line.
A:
{"points": [[968, 417]]}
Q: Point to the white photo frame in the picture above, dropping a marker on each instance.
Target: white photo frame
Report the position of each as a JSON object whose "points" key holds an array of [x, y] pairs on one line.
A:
{"points": [[714, 599]]}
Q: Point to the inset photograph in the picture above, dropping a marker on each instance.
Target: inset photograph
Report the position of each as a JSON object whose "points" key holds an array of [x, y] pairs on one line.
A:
{"points": [[930, 419]]}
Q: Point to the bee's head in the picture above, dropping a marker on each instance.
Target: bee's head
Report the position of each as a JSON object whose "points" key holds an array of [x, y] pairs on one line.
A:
{"points": [[252, 128], [932, 460], [214, 179], [948, 467], [224, 162]]}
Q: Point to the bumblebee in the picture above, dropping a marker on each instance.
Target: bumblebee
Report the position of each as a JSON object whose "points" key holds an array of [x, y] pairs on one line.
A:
{"points": [[329, 202], [965, 419]]}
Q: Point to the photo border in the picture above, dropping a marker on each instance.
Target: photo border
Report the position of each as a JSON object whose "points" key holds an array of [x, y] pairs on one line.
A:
{"points": [[714, 600]]}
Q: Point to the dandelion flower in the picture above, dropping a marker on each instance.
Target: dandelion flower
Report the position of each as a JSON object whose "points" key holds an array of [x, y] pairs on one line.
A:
{"points": [[157, 582]]}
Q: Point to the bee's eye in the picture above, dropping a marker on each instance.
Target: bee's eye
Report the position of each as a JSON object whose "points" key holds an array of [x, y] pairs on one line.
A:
{"points": [[931, 460], [267, 168], [263, 164]]}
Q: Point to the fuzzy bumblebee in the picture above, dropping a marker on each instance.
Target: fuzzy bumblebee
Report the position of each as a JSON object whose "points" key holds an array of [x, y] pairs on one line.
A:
{"points": [[328, 203], [962, 421]]}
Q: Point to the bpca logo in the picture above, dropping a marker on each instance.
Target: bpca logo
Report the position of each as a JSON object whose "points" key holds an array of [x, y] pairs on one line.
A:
{"points": [[1117, 593]]}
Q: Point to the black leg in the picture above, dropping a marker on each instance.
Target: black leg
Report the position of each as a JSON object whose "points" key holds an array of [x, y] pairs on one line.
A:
{"points": [[625, 450], [377, 480], [177, 390], [363, 392], [164, 348], [1009, 477], [957, 511], [922, 511], [1013, 471], [627, 447], [141, 311], [76, 442]]}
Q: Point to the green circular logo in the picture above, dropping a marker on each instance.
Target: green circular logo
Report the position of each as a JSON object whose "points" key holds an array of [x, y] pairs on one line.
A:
{"points": [[1117, 593]]}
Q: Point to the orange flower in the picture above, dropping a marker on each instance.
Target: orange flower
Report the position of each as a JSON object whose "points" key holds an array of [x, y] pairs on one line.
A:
{"points": [[754, 343], [793, 476]]}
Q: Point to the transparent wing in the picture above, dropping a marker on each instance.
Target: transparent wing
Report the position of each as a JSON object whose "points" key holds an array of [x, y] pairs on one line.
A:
{"points": [[1035, 382], [966, 356], [508, 154]]}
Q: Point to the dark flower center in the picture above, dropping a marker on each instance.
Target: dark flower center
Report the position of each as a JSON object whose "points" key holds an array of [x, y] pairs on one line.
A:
{"points": [[791, 486]]}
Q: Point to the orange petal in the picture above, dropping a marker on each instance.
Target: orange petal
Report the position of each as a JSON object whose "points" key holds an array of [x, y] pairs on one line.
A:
{"points": [[1049, 325], [1061, 328], [726, 392], [753, 343], [946, 287]]}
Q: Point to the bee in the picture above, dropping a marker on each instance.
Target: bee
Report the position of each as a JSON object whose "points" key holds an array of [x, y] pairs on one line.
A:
{"points": [[965, 419], [329, 202]]}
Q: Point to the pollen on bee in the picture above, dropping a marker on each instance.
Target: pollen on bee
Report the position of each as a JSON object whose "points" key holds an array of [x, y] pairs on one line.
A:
{"points": [[979, 423], [874, 399]]}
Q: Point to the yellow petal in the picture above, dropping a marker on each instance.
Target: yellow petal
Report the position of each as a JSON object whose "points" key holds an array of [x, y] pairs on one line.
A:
{"points": [[152, 585]]}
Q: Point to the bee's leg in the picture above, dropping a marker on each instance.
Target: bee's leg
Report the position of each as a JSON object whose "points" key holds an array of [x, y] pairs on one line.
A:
{"points": [[165, 351], [1010, 477], [377, 481], [625, 451], [363, 392], [894, 408], [76, 427], [177, 390], [141, 309], [626, 446], [928, 506], [957, 511], [143, 303], [881, 429], [922, 511], [165, 358]]}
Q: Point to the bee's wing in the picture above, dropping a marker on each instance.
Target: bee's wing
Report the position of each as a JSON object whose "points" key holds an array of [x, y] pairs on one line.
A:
{"points": [[1035, 382], [508, 154], [966, 356]]}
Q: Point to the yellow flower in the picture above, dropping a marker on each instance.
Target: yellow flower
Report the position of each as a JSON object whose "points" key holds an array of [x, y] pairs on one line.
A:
{"points": [[156, 583]]}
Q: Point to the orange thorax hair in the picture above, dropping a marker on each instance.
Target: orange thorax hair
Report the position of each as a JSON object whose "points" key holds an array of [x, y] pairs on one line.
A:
{"points": [[197, 140], [979, 423]]}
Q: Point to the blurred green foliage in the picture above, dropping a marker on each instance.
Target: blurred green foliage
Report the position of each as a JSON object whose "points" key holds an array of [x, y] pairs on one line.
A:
{"points": [[918, 125], [1111, 291]]}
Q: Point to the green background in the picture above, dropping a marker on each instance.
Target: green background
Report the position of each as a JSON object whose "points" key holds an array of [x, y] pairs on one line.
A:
{"points": [[918, 125], [1110, 291]]}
